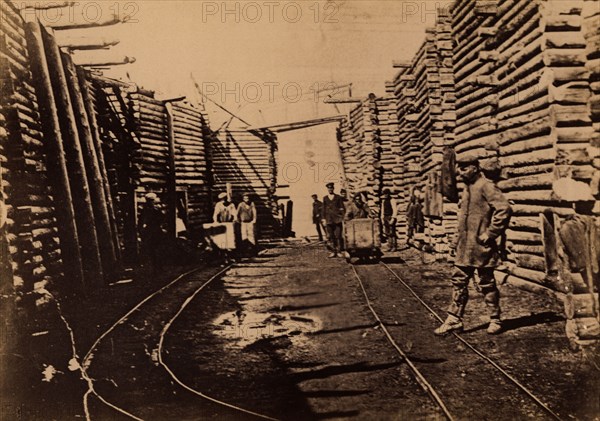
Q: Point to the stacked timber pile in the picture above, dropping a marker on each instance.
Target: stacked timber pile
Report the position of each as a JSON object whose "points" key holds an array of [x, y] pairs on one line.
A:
{"points": [[360, 139], [424, 89], [30, 227], [191, 166], [152, 158], [523, 107], [388, 127], [390, 153], [247, 162]]}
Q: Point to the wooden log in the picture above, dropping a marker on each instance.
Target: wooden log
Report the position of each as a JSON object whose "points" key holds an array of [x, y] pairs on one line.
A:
{"points": [[58, 170], [172, 175], [91, 114], [104, 233], [86, 226]]}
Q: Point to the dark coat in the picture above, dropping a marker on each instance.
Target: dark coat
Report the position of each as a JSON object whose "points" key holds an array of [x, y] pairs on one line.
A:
{"points": [[483, 209], [317, 214], [333, 210]]}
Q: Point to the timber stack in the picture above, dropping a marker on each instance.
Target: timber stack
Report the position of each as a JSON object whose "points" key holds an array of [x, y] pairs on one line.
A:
{"points": [[360, 142], [424, 90], [246, 161]]}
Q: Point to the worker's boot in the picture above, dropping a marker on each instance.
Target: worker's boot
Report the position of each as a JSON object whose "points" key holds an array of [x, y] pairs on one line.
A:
{"points": [[495, 327], [452, 323]]}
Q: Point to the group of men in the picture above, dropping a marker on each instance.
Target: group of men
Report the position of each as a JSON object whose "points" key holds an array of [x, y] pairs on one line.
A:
{"points": [[244, 214], [333, 210], [482, 221]]}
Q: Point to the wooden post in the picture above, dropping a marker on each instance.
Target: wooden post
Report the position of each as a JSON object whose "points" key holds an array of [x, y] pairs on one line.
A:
{"points": [[91, 114], [86, 226], [92, 170], [57, 163], [171, 177]]}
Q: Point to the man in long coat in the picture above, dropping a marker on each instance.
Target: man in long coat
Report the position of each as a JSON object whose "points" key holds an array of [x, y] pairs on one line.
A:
{"points": [[483, 218], [333, 216], [317, 215]]}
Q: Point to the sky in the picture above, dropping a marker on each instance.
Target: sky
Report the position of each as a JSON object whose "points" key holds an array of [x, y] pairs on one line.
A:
{"points": [[265, 61]]}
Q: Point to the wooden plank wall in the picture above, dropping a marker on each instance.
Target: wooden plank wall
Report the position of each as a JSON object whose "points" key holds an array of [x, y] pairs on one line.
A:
{"points": [[191, 166], [247, 161]]}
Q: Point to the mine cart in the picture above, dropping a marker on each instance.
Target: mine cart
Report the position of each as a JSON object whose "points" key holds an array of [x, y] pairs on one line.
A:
{"points": [[221, 235], [362, 239]]}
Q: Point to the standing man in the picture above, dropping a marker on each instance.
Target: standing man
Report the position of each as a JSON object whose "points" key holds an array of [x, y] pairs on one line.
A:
{"points": [[333, 216], [482, 220], [224, 210], [389, 217], [151, 231], [246, 216], [317, 215]]}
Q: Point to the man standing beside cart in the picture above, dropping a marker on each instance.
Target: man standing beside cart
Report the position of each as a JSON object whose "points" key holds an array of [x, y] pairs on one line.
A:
{"points": [[333, 216]]}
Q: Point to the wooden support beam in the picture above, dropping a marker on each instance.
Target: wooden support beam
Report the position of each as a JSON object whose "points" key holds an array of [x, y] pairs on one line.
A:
{"points": [[57, 163], [401, 64], [79, 21], [92, 170], [91, 114], [42, 5], [298, 124], [86, 225]]}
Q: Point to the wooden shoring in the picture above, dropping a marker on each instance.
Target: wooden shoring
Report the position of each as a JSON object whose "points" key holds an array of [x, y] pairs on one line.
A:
{"points": [[91, 114], [94, 176], [57, 162], [84, 215]]}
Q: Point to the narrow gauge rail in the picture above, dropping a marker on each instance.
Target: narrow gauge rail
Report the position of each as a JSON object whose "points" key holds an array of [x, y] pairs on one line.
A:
{"points": [[418, 375], [87, 360]]}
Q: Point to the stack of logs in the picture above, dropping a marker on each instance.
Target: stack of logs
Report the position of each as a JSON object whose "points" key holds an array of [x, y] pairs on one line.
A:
{"points": [[246, 161], [191, 166], [424, 89], [360, 140], [30, 232]]}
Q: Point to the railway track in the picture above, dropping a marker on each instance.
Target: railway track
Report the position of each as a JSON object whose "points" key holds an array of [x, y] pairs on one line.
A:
{"points": [[434, 393], [168, 321]]}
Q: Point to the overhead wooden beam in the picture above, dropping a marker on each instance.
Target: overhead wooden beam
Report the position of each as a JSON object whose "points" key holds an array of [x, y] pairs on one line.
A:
{"points": [[68, 21], [85, 43], [401, 64], [342, 100], [42, 5], [297, 125], [100, 61]]}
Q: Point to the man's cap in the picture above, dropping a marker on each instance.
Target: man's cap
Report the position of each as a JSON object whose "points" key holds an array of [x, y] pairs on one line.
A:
{"points": [[386, 191], [246, 195], [314, 196], [222, 195], [467, 159], [151, 196], [329, 185]]}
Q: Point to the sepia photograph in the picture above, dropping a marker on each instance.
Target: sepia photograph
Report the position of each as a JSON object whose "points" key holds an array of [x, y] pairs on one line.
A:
{"points": [[299, 210]]}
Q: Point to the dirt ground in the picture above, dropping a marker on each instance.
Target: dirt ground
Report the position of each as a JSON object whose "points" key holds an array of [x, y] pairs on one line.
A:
{"points": [[288, 335]]}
